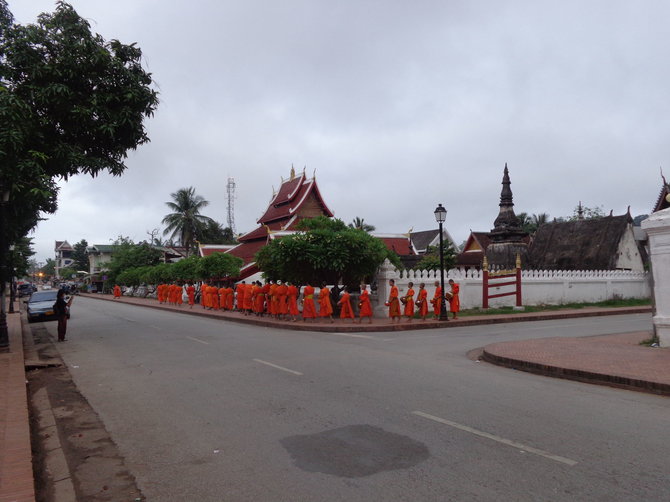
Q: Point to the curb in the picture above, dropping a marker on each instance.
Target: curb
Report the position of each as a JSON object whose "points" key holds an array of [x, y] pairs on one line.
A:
{"points": [[577, 375]]}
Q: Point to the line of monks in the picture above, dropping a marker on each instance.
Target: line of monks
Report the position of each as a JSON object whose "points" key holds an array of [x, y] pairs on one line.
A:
{"points": [[277, 299], [408, 302]]}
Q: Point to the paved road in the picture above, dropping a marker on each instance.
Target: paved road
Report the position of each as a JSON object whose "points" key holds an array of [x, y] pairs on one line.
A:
{"points": [[206, 410]]}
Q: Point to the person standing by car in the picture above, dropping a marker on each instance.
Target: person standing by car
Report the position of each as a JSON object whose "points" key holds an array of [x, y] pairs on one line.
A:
{"points": [[61, 308]]}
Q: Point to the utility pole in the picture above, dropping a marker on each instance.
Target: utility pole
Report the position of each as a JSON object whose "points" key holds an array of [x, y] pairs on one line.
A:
{"points": [[231, 205]]}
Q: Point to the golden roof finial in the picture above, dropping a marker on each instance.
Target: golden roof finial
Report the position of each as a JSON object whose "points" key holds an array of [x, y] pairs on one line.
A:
{"points": [[292, 172], [485, 264]]}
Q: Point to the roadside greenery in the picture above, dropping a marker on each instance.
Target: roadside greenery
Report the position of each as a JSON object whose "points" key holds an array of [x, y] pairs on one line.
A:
{"points": [[326, 250]]}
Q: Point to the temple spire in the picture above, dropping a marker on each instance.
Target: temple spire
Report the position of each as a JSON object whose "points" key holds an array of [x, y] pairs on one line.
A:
{"points": [[506, 198]]}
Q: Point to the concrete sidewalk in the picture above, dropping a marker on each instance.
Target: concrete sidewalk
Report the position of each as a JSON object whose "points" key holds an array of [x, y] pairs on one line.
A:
{"points": [[16, 468]]}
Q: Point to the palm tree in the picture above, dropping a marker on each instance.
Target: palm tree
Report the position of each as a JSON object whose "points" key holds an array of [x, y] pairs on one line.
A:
{"points": [[359, 223], [540, 219], [186, 223]]}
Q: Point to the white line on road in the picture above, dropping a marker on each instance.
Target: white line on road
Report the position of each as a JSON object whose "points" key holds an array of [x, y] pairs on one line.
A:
{"points": [[351, 336], [197, 340], [507, 442], [278, 367]]}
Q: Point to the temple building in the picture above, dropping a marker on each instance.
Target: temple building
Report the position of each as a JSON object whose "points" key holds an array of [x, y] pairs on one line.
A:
{"points": [[507, 238], [298, 198]]}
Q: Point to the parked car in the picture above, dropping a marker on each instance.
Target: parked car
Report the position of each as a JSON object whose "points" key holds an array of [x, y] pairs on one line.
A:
{"points": [[26, 289], [41, 306]]}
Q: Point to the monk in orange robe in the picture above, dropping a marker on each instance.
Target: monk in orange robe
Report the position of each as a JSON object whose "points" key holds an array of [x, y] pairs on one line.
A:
{"points": [[422, 301], [308, 306], [409, 302], [171, 294], [230, 298], [223, 292], [117, 292], [281, 291], [437, 300], [190, 292], [179, 294], [239, 291], [248, 288], [393, 302], [214, 297], [346, 311], [325, 307], [364, 306], [272, 299], [454, 302], [259, 299], [292, 293]]}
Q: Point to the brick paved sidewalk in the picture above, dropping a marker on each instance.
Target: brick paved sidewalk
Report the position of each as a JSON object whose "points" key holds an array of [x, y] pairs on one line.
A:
{"points": [[16, 469], [616, 360]]}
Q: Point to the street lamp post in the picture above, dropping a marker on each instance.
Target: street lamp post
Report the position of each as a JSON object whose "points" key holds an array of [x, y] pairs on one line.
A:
{"points": [[440, 216]]}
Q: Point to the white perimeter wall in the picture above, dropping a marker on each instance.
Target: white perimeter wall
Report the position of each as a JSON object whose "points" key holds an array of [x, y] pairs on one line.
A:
{"points": [[538, 287]]}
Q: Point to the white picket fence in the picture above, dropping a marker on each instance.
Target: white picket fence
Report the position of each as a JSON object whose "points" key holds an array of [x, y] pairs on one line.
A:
{"points": [[539, 287]]}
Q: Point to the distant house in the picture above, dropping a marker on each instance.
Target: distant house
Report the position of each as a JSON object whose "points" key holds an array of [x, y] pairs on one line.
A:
{"points": [[606, 243], [64, 258], [431, 239], [99, 255]]}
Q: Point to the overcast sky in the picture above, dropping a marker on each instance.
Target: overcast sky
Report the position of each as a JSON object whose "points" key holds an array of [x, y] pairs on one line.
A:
{"points": [[397, 106]]}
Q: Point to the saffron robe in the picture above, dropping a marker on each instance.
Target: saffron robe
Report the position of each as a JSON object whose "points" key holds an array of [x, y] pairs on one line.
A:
{"points": [[190, 291], [247, 296], [292, 297], [409, 303], [437, 301], [117, 292], [239, 289], [282, 299], [454, 302], [364, 304], [346, 312], [325, 308], [394, 303], [422, 302], [308, 307]]}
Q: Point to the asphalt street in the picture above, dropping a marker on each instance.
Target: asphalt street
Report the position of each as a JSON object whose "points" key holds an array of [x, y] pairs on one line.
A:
{"points": [[208, 410]]}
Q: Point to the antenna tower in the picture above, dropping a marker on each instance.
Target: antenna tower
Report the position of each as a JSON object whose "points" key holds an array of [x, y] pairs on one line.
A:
{"points": [[230, 188]]}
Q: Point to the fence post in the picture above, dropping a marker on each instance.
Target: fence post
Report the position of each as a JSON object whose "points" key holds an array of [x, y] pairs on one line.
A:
{"points": [[485, 283]]}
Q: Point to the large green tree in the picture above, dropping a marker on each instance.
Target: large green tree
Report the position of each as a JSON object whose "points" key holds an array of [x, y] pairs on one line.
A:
{"points": [[128, 255], [326, 250], [70, 102], [185, 223], [80, 256]]}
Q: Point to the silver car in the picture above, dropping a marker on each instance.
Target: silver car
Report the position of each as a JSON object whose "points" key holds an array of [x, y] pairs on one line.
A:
{"points": [[41, 306]]}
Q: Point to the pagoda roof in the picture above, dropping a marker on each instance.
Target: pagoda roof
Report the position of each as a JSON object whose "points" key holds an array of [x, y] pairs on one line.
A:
{"points": [[291, 195], [400, 244]]}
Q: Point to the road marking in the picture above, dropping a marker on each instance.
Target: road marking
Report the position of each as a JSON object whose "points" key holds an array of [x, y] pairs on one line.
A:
{"points": [[197, 340], [278, 367], [351, 336], [499, 439], [154, 327]]}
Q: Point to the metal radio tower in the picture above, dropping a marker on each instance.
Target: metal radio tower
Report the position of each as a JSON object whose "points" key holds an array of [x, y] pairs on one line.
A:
{"points": [[231, 205]]}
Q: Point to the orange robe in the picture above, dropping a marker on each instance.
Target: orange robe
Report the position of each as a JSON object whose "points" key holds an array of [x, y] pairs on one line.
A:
{"points": [[394, 303], [272, 300], [203, 295], [117, 292], [454, 302], [230, 298], [325, 308], [282, 299], [239, 289], [308, 307], [190, 291], [222, 298], [214, 297], [409, 303], [292, 295], [422, 302], [346, 312], [247, 296], [365, 309], [259, 299], [179, 294], [437, 301], [266, 295]]}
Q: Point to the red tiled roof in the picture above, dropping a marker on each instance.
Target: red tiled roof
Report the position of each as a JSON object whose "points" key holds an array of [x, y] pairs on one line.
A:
{"points": [[211, 249], [291, 195], [247, 250], [260, 232], [399, 245]]}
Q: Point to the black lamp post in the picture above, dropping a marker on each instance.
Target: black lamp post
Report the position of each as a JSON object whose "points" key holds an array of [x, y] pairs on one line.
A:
{"points": [[440, 216]]}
